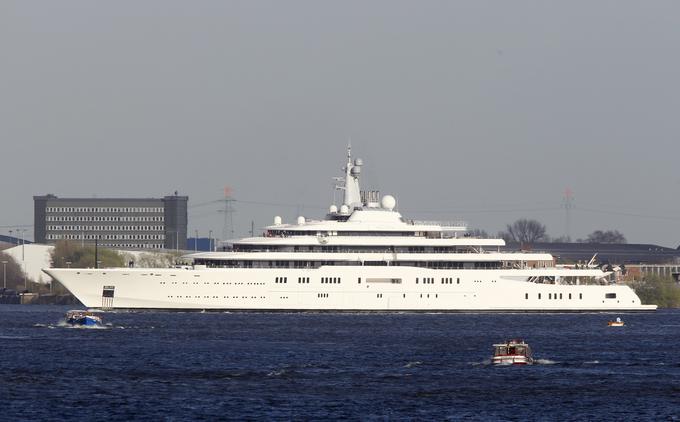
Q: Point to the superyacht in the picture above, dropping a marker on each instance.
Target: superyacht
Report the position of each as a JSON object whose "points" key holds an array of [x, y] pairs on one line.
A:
{"points": [[363, 256]]}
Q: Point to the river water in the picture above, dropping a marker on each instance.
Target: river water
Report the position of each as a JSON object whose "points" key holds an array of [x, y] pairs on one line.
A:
{"points": [[315, 366]]}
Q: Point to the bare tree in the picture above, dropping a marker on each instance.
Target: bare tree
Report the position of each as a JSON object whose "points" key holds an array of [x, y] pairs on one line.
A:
{"points": [[608, 236], [478, 233], [525, 231], [560, 239]]}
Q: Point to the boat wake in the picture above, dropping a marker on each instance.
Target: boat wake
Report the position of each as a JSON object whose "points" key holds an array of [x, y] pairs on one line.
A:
{"points": [[281, 373], [413, 364], [487, 362], [64, 324]]}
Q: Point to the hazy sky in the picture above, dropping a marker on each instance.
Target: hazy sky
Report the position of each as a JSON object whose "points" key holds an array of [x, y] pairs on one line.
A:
{"points": [[479, 110]]}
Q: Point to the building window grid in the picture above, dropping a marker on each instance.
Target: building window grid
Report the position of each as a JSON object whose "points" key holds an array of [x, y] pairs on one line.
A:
{"points": [[85, 232], [105, 209], [105, 228], [62, 218]]}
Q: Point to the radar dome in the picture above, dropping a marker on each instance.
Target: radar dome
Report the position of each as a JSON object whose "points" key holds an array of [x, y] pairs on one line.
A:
{"points": [[333, 209], [358, 162], [388, 202], [301, 220], [356, 171], [344, 209], [277, 220]]}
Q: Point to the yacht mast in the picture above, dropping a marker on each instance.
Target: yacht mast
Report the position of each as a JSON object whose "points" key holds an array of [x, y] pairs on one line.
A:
{"points": [[352, 171]]}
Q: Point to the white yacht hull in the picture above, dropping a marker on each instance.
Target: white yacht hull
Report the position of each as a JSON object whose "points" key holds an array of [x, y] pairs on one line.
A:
{"points": [[380, 289]]}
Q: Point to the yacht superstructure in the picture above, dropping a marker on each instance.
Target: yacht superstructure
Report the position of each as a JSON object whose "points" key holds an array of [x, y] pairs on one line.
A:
{"points": [[363, 256]]}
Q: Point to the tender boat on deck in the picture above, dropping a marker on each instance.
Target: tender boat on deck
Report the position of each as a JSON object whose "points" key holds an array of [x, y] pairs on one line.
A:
{"points": [[512, 352], [617, 323], [83, 318]]}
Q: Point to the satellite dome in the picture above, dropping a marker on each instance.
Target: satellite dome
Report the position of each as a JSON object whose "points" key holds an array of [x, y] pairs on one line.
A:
{"points": [[333, 209], [301, 220], [344, 209], [277, 220], [358, 162], [388, 202], [356, 170]]}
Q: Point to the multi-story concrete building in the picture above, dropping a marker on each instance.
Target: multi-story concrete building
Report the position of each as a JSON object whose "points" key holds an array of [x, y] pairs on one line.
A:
{"points": [[144, 223]]}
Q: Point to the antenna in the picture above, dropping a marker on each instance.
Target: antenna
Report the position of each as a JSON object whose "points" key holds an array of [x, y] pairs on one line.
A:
{"points": [[568, 204]]}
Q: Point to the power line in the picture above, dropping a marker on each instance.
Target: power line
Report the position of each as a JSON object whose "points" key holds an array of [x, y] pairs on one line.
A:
{"points": [[571, 208], [203, 215], [280, 204], [241, 201], [480, 211], [628, 214], [203, 204]]}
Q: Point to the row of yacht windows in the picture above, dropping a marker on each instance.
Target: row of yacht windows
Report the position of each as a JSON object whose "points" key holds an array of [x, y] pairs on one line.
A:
{"points": [[216, 263], [125, 218], [330, 280], [426, 280], [355, 249], [324, 234], [105, 209], [338, 280], [83, 236], [318, 295], [551, 296], [140, 228], [554, 296]]}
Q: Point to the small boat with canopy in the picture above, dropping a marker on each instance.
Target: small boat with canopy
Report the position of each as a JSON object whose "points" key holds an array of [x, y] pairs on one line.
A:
{"points": [[83, 319], [512, 352]]}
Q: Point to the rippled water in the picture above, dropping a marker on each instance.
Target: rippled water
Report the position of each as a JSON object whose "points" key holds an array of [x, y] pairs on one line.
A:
{"points": [[311, 366]]}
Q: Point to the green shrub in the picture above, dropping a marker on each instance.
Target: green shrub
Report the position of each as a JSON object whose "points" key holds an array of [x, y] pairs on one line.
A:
{"points": [[70, 254], [657, 290]]}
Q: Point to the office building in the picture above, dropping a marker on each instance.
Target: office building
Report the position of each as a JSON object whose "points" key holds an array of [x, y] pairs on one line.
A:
{"points": [[125, 223]]}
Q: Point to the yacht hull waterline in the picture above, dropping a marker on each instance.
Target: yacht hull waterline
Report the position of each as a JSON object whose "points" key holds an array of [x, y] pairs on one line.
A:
{"points": [[364, 256], [221, 289]]}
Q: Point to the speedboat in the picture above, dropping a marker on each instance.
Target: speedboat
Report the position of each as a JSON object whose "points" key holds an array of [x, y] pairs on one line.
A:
{"points": [[617, 323], [83, 319], [512, 352]]}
